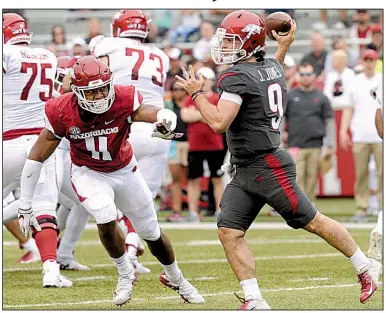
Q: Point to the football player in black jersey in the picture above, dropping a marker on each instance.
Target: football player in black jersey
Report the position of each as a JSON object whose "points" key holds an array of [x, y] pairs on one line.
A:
{"points": [[252, 102]]}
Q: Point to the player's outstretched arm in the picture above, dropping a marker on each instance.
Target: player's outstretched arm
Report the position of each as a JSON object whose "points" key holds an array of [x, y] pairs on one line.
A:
{"points": [[165, 120], [145, 113], [41, 151], [284, 42]]}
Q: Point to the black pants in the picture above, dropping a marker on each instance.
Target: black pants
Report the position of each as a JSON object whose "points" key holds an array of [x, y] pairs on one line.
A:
{"points": [[271, 179]]}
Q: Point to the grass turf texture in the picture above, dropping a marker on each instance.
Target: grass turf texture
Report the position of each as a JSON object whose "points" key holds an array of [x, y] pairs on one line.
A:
{"points": [[321, 280]]}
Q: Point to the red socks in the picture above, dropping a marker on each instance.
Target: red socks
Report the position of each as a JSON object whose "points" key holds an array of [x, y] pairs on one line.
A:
{"points": [[47, 240]]}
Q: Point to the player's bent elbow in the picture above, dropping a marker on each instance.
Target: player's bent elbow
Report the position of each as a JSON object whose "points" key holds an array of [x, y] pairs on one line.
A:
{"points": [[218, 128]]}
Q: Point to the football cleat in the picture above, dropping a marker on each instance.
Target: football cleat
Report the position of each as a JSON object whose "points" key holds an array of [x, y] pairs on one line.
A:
{"points": [[185, 289], [30, 257], [52, 277], [253, 304], [368, 278], [73, 265], [122, 294]]}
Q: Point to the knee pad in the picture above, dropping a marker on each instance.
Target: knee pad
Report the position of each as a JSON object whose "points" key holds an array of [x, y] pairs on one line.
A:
{"points": [[46, 221], [101, 207], [150, 232]]}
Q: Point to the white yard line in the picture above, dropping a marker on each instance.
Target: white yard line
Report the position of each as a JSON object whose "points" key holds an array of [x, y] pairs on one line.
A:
{"points": [[91, 278], [257, 226], [259, 258], [175, 297], [310, 279], [194, 243]]}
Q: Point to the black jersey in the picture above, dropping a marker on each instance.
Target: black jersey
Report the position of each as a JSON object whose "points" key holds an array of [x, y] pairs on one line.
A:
{"points": [[262, 87]]}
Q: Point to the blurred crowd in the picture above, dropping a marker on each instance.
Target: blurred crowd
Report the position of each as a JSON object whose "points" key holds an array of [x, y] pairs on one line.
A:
{"points": [[325, 71]]}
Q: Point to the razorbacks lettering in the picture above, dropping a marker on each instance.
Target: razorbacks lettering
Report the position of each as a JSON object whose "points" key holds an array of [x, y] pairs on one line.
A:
{"points": [[101, 145]]}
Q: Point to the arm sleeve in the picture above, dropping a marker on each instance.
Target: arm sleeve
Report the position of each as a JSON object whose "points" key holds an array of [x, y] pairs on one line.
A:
{"points": [[52, 120], [29, 179], [231, 97]]}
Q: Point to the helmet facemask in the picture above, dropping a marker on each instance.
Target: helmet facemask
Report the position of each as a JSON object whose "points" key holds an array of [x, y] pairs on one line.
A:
{"points": [[95, 106], [232, 55]]}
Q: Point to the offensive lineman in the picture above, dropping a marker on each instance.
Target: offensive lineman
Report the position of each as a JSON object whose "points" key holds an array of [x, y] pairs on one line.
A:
{"points": [[28, 78]]}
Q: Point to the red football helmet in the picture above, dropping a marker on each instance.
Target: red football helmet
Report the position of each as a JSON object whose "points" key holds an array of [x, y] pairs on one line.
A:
{"points": [[130, 23], [90, 73], [15, 29], [247, 32], [63, 67]]}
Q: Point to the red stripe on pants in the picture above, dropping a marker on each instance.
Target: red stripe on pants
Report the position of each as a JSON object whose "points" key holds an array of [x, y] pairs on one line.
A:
{"points": [[282, 178]]}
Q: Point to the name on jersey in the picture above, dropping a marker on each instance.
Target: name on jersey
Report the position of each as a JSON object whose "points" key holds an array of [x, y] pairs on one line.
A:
{"points": [[75, 132], [269, 73], [34, 56]]}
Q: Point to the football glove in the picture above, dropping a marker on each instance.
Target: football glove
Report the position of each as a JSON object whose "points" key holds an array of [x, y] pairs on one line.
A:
{"points": [[27, 219]]}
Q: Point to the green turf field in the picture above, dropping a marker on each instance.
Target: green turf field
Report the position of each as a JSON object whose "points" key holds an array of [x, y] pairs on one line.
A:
{"points": [[295, 270]]}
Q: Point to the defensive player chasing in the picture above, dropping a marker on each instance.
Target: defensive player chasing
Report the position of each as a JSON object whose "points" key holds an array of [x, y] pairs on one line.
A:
{"points": [[96, 119], [252, 102], [145, 67]]}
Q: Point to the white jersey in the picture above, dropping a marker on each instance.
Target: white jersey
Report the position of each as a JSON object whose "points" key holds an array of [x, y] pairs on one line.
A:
{"points": [[134, 63], [28, 81]]}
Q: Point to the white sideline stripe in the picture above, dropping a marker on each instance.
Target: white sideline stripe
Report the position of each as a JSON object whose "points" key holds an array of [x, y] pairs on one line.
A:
{"points": [[194, 243], [310, 279], [91, 278], [259, 258], [259, 226], [176, 297]]}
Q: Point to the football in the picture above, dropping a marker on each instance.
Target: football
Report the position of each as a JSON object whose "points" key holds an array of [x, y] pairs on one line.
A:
{"points": [[280, 22]]}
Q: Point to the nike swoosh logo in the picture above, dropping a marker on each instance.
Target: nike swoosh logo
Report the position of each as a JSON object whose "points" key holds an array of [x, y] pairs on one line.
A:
{"points": [[107, 123], [28, 176], [371, 289]]}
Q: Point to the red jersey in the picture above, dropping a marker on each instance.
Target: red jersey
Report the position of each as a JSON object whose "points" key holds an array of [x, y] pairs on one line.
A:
{"points": [[101, 145], [201, 136]]}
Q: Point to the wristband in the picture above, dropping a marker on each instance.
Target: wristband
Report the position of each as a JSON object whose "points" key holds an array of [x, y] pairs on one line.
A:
{"points": [[196, 93]]}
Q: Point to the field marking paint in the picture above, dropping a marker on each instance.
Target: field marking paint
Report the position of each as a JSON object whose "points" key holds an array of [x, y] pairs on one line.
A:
{"points": [[176, 297], [259, 258], [91, 278], [195, 243], [205, 278], [310, 279], [255, 226]]}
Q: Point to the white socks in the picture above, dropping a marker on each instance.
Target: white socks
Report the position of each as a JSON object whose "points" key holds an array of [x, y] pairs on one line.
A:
{"points": [[173, 272], [30, 245], [124, 266], [359, 260], [251, 289]]}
